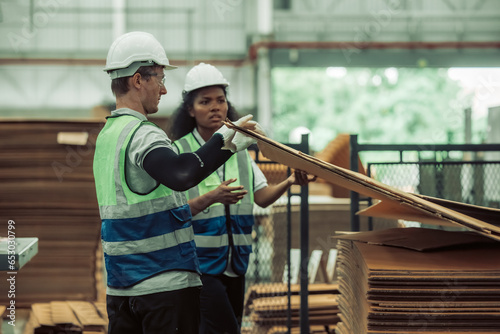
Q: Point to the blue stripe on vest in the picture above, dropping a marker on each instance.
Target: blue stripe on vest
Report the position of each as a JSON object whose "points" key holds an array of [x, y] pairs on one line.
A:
{"points": [[151, 225], [126, 270], [211, 226], [242, 224], [212, 260]]}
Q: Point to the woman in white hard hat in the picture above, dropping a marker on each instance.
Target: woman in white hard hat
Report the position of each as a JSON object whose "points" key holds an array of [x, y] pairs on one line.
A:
{"points": [[153, 276], [222, 204]]}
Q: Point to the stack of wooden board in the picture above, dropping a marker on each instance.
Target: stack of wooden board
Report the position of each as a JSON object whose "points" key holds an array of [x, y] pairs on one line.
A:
{"points": [[266, 305], [312, 330], [76, 317], [418, 280], [47, 190]]}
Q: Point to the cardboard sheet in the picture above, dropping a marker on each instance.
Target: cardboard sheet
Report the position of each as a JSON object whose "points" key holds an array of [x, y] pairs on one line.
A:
{"points": [[420, 239], [488, 215], [400, 210], [483, 258], [419, 208]]}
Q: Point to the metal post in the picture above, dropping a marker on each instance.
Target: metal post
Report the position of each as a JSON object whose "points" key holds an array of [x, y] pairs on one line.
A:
{"points": [[370, 218], [264, 90], [119, 18], [354, 195], [289, 258], [304, 250], [256, 253]]}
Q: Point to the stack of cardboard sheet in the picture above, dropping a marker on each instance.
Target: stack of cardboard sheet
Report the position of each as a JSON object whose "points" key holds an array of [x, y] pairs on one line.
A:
{"points": [[47, 190], [67, 317], [267, 306], [413, 280]]}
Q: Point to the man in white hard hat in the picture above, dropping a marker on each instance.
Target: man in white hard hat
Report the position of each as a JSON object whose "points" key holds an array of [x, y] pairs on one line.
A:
{"points": [[153, 274]]}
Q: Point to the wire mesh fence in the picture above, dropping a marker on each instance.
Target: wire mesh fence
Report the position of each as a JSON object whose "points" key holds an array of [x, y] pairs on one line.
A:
{"points": [[272, 301], [471, 182], [264, 278]]}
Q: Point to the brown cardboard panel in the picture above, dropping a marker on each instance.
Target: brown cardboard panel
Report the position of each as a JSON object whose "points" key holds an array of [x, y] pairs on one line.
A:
{"points": [[489, 215], [334, 174], [429, 331], [420, 239], [417, 323], [434, 308], [480, 259], [441, 304], [483, 278], [362, 184], [433, 281], [397, 210]]}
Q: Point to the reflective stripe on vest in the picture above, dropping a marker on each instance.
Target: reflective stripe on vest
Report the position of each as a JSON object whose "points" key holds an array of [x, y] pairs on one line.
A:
{"points": [[142, 234], [211, 235]]}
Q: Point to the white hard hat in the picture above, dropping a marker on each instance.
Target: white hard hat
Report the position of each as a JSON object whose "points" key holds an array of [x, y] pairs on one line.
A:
{"points": [[133, 50], [203, 75]]}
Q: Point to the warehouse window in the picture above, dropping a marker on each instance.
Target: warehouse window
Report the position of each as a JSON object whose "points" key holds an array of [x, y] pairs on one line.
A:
{"points": [[384, 105]]}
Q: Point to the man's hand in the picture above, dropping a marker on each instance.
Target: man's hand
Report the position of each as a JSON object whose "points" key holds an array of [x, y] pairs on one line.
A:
{"points": [[236, 141]]}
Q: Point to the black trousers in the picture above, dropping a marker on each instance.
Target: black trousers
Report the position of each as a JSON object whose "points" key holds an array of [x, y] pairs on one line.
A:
{"points": [[221, 301], [163, 312]]}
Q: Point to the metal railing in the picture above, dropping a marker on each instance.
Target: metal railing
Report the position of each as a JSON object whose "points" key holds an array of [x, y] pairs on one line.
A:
{"points": [[463, 181], [254, 277]]}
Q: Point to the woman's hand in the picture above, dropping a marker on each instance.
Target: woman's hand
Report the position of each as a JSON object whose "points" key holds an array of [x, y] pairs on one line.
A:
{"points": [[226, 194], [301, 178]]}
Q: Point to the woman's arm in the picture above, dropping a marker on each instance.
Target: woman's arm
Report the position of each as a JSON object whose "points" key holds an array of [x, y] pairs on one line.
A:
{"points": [[270, 194]]}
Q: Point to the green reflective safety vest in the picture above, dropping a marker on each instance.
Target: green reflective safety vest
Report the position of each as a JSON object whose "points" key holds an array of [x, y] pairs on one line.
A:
{"points": [[142, 234], [214, 232]]}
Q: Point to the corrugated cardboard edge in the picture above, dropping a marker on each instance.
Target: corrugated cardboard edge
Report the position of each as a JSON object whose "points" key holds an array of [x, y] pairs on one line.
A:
{"points": [[364, 185]]}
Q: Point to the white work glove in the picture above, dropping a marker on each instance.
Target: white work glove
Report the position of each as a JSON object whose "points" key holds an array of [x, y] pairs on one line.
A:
{"points": [[236, 141], [240, 142], [260, 130]]}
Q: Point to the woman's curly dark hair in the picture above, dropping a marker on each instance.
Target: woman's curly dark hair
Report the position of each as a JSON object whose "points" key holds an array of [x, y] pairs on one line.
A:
{"points": [[181, 123]]}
